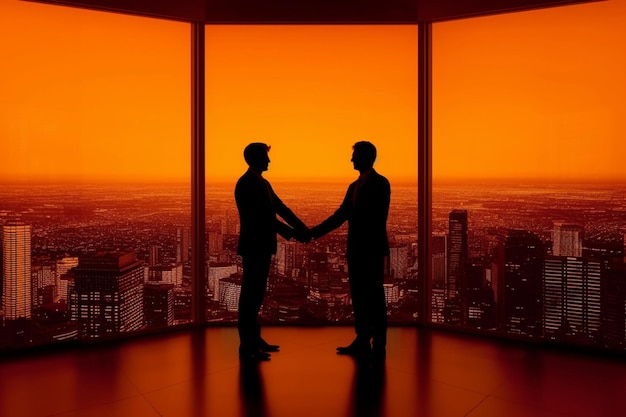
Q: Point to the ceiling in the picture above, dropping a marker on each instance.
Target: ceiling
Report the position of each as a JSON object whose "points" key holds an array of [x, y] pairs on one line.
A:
{"points": [[311, 11]]}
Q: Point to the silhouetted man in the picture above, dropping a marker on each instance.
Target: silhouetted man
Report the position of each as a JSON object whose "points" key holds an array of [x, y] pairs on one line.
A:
{"points": [[258, 206], [365, 207]]}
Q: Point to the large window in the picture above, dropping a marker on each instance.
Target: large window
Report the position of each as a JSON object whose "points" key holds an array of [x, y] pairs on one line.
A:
{"points": [[310, 92], [94, 172], [528, 174]]}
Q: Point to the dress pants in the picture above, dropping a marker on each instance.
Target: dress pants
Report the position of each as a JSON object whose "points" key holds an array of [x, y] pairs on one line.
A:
{"points": [[255, 273], [366, 276]]}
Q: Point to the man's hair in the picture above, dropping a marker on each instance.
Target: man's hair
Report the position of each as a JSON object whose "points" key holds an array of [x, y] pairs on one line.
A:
{"points": [[254, 151], [367, 150]]}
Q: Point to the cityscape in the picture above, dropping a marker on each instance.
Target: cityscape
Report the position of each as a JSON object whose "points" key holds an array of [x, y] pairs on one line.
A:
{"points": [[537, 261]]}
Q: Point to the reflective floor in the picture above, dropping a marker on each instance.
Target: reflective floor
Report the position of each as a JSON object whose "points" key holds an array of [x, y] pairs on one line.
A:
{"points": [[197, 373]]}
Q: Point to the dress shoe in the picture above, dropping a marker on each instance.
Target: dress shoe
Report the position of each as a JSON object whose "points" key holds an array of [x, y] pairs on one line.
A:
{"points": [[355, 348], [254, 356], [266, 347]]}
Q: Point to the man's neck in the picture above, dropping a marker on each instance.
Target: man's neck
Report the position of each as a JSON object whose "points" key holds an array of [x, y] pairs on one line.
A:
{"points": [[256, 172]]}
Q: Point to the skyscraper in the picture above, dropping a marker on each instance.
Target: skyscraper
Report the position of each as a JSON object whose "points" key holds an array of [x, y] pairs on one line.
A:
{"points": [[398, 261], [155, 255], [108, 293], [455, 311], [218, 271], [457, 251], [229, 290], [286, 257], [215, 242], [572, 299], [523, 266], [16, 270], [183, 237], [567, 239], [439, 261], [158, 305]]}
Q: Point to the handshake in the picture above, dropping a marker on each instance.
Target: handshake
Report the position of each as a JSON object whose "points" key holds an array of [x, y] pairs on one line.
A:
{"points": [[304, 234]]}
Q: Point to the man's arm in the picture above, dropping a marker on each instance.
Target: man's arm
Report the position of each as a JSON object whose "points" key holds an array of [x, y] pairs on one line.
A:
{"points": [[335, 220]]}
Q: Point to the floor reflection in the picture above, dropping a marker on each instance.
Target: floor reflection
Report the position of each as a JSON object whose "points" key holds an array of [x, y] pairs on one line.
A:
{"points": [[368, 388], [251, 390]]}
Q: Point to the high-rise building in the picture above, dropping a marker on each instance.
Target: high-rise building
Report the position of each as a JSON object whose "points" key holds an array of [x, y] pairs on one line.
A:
{"points": [[392, 292], [614, 306], [567, 239], [218, 271], [398, 261], [215, 242], [158, 305], [44, 288], [439, 261], [16, 270], [108, 293], [481, 308], [317, 267], [455, 311], [155, 255], [183, 239], [229, 290], [164, 274], [286, 257], [572, 299], [62, 267], [230, 226], [457, 252], [522, 293]]}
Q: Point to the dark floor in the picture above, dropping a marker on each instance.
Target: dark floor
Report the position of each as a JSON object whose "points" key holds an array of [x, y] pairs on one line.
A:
{"points": [[197, 373]]}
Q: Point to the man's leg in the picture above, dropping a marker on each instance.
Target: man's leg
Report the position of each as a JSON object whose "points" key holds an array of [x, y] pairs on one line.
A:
{"points": [[254, 283], [378, 305], [361, 344]]}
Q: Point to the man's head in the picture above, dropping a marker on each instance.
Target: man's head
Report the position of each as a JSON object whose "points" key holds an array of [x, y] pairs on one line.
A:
{"points": [[256, 156], [363, 156]]}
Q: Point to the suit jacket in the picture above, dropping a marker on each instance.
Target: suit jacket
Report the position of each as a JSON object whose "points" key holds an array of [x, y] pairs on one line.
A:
{"points": [[366, 214], [258, 206]]}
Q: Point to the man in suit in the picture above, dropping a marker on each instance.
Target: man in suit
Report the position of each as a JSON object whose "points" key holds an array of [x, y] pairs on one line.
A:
{"points": [[258, 207], [365, 207]]}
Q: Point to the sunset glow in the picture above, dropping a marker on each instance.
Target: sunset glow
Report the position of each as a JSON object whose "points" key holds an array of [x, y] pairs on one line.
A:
{"points": [[92, 96]]}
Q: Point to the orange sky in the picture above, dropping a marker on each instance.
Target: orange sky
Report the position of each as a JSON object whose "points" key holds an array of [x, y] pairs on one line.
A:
{"points": [[89, 95], [541, 92]]}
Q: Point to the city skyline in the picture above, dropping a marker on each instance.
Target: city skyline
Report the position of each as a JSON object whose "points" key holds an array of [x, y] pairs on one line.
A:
{"points": [[494, 233]]}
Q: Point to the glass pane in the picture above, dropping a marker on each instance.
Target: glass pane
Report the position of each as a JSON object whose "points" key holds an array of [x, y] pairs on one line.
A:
{"points": [[528, 196], [95, 173], [311, 92]]}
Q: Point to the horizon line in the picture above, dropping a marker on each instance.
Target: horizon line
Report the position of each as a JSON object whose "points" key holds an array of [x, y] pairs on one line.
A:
{"points": [[312, 180]]}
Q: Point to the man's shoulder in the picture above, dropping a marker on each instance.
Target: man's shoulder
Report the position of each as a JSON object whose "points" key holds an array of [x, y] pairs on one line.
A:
{"points": [[247, 176], [379, 178]]}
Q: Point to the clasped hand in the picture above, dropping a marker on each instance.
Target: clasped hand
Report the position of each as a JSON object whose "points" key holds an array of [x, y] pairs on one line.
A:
{"points": [[303, 235]]}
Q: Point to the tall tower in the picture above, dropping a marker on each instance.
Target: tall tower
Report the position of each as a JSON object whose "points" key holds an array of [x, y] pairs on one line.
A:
{"points": [[16, 279], [215, 242], [286, 257], [523, 266], [155, 255], [182, 244], [398, 261], [439, 261], [455, 311], [158, 302], [108, 293], [572, 299], [567, 239], [457, 251]]}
